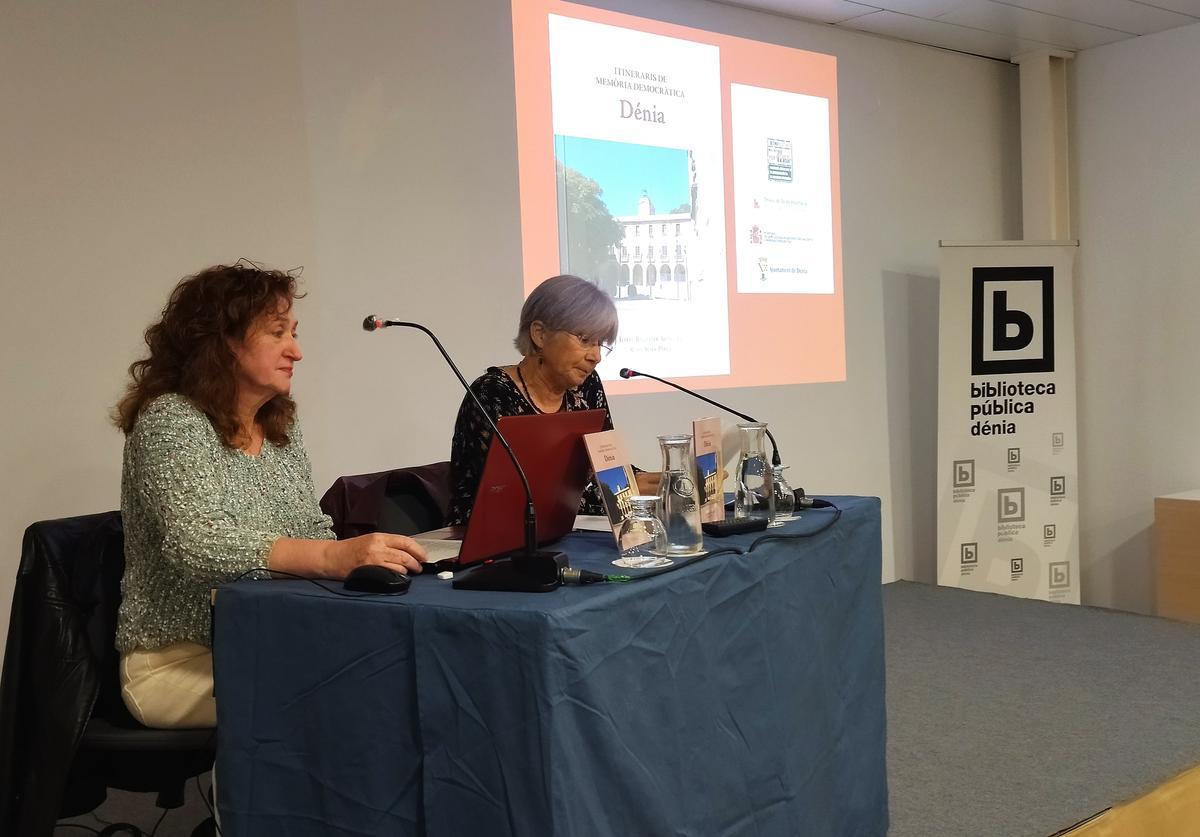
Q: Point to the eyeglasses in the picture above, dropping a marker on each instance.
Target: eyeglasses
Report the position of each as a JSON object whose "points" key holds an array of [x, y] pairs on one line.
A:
{"points": [[592, 343]]}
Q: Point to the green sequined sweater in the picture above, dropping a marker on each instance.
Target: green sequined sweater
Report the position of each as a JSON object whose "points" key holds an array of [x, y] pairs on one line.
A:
{"points": [[197, 514]]}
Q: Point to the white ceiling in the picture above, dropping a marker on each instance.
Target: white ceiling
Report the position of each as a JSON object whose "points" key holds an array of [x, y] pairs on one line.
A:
{"points": [[994, 28]]}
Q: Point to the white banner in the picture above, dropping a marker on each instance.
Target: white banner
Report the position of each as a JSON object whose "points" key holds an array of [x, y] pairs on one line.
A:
{"points": [[1008, 513]]}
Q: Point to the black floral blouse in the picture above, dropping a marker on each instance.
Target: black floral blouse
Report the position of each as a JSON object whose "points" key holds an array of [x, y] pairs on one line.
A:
{"points": [[500, 396]]}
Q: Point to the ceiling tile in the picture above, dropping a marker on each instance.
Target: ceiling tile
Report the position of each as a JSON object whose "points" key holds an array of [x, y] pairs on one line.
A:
{"points": [[1125, 15], [1033, 26], [822, 11], [945, 35], [996, 28], [1186, 7], [921, 8]]}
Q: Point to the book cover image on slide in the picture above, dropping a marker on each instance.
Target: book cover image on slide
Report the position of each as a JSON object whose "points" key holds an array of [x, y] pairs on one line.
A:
{"points": [[640, 182]]}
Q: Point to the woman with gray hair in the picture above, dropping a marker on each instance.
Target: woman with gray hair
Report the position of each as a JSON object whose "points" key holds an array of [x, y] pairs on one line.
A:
{"points": [[567, 326]]}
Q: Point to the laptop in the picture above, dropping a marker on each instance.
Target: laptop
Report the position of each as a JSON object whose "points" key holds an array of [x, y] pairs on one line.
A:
{"points": [[551, 451]]}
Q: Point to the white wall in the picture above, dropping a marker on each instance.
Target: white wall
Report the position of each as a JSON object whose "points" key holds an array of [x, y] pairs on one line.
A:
{"points": [[374, 143], [138, 143], [1136, 120]]}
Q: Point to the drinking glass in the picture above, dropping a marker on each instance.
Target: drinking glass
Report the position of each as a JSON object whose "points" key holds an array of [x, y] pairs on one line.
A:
{"points": [[643, 538], [785, 496]]}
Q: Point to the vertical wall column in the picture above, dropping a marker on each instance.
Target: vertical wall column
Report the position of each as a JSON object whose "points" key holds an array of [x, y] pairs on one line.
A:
{"points": [[1045, 184]]}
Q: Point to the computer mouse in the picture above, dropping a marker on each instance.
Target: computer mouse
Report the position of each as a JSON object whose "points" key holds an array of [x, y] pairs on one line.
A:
{"points": [[376, 578]]}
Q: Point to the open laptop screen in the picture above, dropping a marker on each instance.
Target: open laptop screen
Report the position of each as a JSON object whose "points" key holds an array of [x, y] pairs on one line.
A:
{"points": [[551, 451]]}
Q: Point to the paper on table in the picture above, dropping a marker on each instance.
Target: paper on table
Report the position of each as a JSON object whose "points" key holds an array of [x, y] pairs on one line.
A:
{"points": [[592, 523], [440, 544]]}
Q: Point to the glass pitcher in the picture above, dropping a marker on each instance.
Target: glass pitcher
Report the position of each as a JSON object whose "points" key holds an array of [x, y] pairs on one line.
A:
{"points": [[680, 506], [755, 497]]}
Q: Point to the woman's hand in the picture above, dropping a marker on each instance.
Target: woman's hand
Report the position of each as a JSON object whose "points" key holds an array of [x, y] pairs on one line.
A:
{"points": [[648, 482], [396, 552]]}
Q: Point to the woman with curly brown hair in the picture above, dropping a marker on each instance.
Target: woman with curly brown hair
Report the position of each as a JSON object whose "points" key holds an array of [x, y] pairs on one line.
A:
{"points": [[216, 482]]}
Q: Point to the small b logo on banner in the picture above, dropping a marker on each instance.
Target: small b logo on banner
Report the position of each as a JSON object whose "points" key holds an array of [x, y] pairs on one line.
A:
{"points": [[1010, 505], [1018, 566], [964, 473], [969, 553], [1060, 575], [1058, 486], [1056, 440], [1012, 320], [1014, 456], [1048, 532]]}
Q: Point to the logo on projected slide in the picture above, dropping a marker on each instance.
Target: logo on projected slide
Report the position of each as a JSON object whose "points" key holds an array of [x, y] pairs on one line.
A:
{"points": [[1010, 505], [1012, 320], [964, 473], [1017, 566], [1058, 486], [968, 554], [1060, 575], [779, 160]]}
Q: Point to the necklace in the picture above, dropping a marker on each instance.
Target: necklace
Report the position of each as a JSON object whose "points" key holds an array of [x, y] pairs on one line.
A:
{"points": [[529, 397]]}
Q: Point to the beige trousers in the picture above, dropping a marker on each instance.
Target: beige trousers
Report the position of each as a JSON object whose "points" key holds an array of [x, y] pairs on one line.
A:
{"points": [[170, 687]]}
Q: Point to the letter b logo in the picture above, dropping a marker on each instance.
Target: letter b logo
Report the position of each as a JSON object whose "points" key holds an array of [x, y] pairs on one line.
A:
{"points": [[1012, 320], [1010, 505], [964, 473], [1060, 575], [1002, 319]]}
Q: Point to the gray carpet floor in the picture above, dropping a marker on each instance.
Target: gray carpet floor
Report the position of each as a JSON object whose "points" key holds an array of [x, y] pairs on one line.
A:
{"points": [[1015, 717], [1006, 717]]}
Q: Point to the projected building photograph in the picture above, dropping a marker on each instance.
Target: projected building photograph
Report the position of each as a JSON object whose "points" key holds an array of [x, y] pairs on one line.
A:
{"points": [[625, 216]]}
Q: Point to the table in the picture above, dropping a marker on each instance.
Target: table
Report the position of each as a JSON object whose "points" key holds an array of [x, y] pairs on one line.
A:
{"points": [[740, 695]]}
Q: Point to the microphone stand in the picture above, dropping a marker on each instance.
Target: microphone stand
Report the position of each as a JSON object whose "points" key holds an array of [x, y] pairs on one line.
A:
{"points": [[633, 373], [529, 570]]}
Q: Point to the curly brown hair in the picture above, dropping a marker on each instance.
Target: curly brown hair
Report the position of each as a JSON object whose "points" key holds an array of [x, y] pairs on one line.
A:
{"points": [[190, 350]]}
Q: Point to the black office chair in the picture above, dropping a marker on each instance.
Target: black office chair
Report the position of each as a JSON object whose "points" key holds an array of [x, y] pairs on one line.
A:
{"points": [[403, 501], [65, 734]]}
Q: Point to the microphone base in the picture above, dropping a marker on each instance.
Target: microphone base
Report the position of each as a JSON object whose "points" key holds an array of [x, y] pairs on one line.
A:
{"points": [[537, 572]]}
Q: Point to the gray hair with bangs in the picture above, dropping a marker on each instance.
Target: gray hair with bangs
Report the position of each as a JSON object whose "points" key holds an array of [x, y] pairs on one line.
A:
{"points": [[568, 303]]}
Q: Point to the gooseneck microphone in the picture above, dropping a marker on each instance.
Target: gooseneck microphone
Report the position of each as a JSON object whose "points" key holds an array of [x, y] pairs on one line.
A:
{"points": [[632, 373], [531, 570]]}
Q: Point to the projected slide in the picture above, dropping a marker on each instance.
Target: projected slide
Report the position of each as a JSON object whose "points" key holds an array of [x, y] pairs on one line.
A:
{"points": [[781, 188], [640, 189], [693, 177]]}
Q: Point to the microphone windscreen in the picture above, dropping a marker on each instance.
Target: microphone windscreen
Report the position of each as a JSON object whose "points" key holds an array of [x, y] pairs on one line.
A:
{"points": [[627, 373], [371, 323]]}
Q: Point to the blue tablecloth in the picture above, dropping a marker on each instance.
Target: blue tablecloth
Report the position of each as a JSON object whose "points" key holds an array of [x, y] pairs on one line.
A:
{"points": [[741, 695]]}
